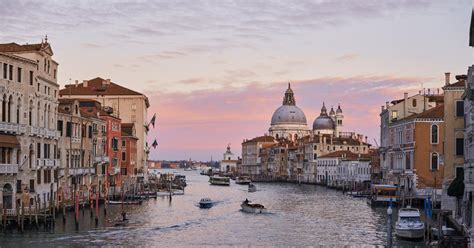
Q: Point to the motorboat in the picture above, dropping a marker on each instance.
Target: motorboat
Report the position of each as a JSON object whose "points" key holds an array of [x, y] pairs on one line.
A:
{"points": [[253, 208], [205, 203], [187, 169], [409, 224], [217, 180], [242, 180], [252, 187]]}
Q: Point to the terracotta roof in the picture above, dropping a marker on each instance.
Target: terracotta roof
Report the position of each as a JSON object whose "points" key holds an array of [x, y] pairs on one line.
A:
{"points": [[436, 98], [436, 112], [9, 141], [460, 83], [264, 138], [97, 86], [345, 154], [14, 47]]}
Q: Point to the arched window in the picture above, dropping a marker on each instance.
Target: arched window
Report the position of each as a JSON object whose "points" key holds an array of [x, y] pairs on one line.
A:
{"points": [[434, 161], [276, 136], [434, 134]]}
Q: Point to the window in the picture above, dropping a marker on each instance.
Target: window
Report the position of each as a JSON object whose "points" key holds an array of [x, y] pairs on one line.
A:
{"points": [[459, 171], [394, 114], [123, 143], [434, 134], [459, 108], [5, 71], [68, 129], [90, 132], [115, 144], [459, 146], [38, 150], [413, 102], [19, 74], [31, 77], [60, 127], [434, 161], [10, 72], [32, 185], [124, 157], [38, 176]]}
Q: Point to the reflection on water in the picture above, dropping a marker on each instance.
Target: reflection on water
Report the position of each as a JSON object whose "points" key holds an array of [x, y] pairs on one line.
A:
{"points": [[298, 215]]}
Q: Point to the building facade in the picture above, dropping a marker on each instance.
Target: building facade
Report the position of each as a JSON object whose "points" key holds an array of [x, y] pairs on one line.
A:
{"points": [[229, 161], [28, 136]]}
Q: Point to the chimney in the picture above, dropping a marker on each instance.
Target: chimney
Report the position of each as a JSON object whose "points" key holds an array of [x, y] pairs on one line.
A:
{"points": [[387, 104], [85, 83], [383, 108], [107, 81], [446, 75], [77, 82], [405, 96]]}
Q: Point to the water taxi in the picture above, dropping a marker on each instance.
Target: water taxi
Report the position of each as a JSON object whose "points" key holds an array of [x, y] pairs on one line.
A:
{"points": [[217, 180], [205, 203], [242, 180], [409, 224], [252, 187], [252, 208]]}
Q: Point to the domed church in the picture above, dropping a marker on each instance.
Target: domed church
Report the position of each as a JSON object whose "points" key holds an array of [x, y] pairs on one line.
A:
{"points": [[288, 121], [329, 124]]}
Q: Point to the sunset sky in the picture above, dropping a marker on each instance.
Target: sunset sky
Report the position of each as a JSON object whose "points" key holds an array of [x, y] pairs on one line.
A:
{"points": [[215, 71]]}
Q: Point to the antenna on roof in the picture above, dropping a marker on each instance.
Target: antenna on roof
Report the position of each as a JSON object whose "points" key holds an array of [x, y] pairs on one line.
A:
{"points": [[46, 39]]}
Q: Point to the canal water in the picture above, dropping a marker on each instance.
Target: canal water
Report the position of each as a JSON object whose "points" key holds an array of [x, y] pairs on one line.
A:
{"points": [[304, 215]]}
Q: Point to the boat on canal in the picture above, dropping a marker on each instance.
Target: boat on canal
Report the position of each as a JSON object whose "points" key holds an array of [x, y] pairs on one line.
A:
{"points": [[124, 202], [217, 180], [253, 208], [242, 180], [252, 187], [205, 203], [409, 224], [382, 195]]}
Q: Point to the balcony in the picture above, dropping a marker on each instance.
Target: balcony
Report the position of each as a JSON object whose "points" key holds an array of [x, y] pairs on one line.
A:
{"points": [[101, 159], [8, 169], [34, 131], [8, 127], [76, 140], [78, 171]]}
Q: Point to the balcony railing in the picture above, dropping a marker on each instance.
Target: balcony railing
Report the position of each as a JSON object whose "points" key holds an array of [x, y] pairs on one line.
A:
{"points": [[101, 159], [8, 169], [8, 127]]}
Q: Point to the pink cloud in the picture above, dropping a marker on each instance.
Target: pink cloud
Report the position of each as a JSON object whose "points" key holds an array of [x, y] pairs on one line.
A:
{"points": [[199, 124]]}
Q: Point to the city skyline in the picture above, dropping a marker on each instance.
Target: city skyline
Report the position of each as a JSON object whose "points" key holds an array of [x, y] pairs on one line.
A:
{"points": [[239, 58]]}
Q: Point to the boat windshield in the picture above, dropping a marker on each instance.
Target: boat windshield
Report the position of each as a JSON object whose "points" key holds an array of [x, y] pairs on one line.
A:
{"points": [[410, 219]]}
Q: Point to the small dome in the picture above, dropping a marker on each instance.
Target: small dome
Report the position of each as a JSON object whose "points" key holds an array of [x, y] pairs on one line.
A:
{"points": [[339, 110], [323, 123], [288, 114], [332, 112]]}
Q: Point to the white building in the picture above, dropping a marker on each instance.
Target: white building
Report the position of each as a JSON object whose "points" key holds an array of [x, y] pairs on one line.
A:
{"points": [[229, 161], [28, 115]]}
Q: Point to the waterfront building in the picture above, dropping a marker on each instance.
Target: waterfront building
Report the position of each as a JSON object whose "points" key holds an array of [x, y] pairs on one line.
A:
{"points": [[467, 211], [251, 161], [28, 136], [398, 110], [229, 161], [416, 153], [128, 105], [453, 139], [288, 121]]}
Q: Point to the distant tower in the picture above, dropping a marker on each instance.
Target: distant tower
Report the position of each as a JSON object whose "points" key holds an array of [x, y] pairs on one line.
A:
{"points": [[339, 120], [332, 114]]}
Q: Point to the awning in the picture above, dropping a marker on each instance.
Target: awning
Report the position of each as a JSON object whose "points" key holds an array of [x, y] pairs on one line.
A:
{"points": [[9, 141]]}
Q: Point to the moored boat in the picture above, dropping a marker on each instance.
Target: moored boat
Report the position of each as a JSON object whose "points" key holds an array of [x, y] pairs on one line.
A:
{"points": [[124, 202], [252, 187], [253, 208], [242, 180], [205, 203], [217, 180], [409, 224]]}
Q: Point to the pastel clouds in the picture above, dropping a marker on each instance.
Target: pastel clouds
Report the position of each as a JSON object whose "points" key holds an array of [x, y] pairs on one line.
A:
{"points": [[199, 124]]}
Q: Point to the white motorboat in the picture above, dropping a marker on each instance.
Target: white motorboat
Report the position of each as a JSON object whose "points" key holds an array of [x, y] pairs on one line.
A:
{"points": [[242, 180], [217, 180], [252, 208], [252, 187], [409, 224], [205, 203]]}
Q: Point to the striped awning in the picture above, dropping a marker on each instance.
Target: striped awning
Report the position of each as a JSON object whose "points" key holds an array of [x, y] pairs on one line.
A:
{"points": [[9, 141]]}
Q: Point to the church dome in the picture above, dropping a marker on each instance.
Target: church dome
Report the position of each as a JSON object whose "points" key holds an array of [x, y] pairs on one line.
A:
{"points": [[288, 113], [323, 121]]}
